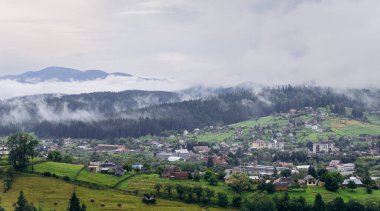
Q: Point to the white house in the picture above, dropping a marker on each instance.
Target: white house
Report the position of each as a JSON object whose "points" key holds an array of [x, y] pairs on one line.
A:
{"points": [[183, 153], [324, 147], [276, 145]]}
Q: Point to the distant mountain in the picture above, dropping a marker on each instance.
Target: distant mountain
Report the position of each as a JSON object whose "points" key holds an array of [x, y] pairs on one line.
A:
{"points": [[61, 74]]}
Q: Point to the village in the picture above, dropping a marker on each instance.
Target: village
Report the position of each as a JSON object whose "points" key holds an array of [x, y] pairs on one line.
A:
{"points": [[273, 152]]}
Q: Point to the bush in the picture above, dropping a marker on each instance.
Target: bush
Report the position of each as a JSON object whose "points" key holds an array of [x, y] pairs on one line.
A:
{"points": [[222, 199], [369, 190], [66, 178], [46, 174], [236, 201]]}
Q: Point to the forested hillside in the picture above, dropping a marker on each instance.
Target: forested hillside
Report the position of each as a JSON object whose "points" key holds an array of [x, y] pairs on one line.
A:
{"points": [[165, 113]]}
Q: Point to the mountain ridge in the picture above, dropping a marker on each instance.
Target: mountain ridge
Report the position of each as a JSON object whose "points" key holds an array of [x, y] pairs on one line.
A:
{"points": [[61, 74]]}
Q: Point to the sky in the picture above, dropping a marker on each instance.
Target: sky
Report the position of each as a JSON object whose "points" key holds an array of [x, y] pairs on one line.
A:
{"points": [[195, 42]]}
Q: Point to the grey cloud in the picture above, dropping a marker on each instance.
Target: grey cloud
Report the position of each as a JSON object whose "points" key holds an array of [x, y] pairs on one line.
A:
{"points": [[330, 42]]}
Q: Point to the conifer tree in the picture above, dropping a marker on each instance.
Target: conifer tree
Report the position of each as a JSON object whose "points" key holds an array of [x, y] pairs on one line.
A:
{"points": [[74, 204], [21, 202]]}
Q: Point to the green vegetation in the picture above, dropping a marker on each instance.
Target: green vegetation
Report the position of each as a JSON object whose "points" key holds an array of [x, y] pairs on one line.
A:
{"points": [[374, 119], [217, 136], [263, 121], [352, 127], [51, 193], [144, 183], [359, 194], [98, 178], [59, 169]]}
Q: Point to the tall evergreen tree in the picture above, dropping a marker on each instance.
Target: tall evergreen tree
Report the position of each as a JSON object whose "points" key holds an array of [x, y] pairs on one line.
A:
{"points": [[74, 204], [21, 202], [319, 204], [311, 171], [210, 162]]}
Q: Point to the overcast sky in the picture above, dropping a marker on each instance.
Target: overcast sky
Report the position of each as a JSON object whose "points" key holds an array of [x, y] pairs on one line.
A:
{"points": [[329, 42]]}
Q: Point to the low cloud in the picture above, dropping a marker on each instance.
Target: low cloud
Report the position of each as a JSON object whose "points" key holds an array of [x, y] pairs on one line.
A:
{"points": [[11, 88]]}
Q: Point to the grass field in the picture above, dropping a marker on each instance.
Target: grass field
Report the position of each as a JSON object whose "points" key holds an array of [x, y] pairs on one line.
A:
{"points": [[352, 127], [375, 119], [218, 136], [359, 194], [60, 169], [145, 184], [263, 121], [71, 170], [44, 192], [98, 178]]}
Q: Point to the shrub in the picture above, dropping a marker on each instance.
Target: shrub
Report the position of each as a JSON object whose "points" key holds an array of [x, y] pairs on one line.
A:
{"points": [[369, 190], [236, 201], [46, 174], [66, 178]]}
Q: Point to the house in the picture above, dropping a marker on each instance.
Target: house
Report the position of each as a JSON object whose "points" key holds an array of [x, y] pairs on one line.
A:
{"points": [[346, 169], [164, 155], [107, 167], [260, 170], [174, 172], [259, 144], [310, 181], [220, 161], [183, 175], [303, 167], [4, 150], [93, 167], [285, 164], [334, 163], [67, 141], [254, 178], [137, 166], [201, 149], [175, 158], [108, 148], [119, 171], [276, 145], [324, 147], [357, 181], [282, 183], [183, 153]]}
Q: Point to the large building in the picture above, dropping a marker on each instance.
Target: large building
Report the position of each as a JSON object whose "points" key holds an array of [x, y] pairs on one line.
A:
{"points": [[277, 145], [259, 144], [324, 147]]}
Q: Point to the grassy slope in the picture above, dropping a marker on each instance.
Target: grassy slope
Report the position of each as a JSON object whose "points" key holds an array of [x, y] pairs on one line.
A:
{"points": [[145, 184], [98, 178], [64, 169], [375, 119], [268, 120], [359, 194], [339, 127], [352, 127], [45, 192], [60, 169], [218, 136]]}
